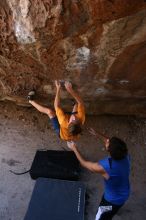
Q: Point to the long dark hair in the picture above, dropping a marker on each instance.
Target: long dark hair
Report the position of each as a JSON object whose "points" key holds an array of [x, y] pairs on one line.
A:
{"points": [[74, 128], [117, 148]]}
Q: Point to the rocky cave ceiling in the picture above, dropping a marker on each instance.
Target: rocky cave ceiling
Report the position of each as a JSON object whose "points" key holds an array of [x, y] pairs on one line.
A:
{"points": [[99, 45]]}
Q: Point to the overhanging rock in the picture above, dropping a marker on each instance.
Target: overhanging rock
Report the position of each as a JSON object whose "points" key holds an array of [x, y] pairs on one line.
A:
{"points": [[99, 45]]}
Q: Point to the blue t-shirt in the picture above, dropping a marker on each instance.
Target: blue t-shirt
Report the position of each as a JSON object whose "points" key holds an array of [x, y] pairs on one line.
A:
{"points": [[117, 187]]}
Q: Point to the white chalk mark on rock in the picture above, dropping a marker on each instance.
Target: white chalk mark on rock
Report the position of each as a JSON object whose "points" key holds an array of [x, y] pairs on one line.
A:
{"points": [[22, 23]]}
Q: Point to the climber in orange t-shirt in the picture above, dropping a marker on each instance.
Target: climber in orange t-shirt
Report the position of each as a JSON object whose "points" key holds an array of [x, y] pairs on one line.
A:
{"points": [[67, 126]]}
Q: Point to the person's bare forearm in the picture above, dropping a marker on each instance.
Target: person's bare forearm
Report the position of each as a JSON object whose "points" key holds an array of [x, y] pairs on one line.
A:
{"points": [[82, 161], [75, 108], [38, 107], [57, 99], [97, 134], [101, 136], [75, 96], [92, 166]]}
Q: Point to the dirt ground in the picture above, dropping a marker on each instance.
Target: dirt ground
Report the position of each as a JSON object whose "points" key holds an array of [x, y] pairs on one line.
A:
{"points": [[24, 130]]}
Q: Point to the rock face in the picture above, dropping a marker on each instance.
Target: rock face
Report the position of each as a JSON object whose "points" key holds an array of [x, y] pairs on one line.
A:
{"points": [[100, 45]]}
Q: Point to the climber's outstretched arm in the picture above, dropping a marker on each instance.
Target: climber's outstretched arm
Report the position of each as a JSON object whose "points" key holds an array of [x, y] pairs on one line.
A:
{"points": [[73, 93]]}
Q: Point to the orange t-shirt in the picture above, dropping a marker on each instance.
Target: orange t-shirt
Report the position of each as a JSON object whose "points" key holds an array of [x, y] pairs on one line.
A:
{"points": [[63, 119]]}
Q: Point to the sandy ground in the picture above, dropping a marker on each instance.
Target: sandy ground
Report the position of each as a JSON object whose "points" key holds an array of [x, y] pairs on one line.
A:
{"points": [[24, 130]]}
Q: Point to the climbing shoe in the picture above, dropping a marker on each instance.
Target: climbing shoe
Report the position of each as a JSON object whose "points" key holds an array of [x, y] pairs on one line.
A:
{"points": [[31, 95]]}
